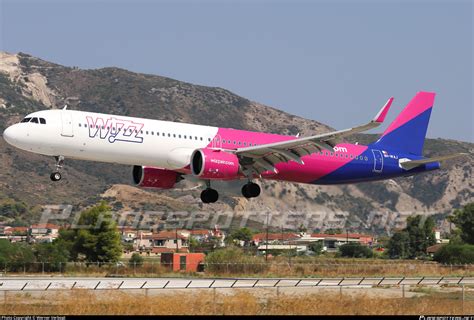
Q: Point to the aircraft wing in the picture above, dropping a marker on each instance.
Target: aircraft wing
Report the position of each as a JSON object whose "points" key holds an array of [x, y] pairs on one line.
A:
{"points": [[264, 157], [407, 165]]}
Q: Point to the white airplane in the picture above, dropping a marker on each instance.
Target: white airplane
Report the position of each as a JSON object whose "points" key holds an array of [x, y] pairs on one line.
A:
{"points": [[163, 152]]}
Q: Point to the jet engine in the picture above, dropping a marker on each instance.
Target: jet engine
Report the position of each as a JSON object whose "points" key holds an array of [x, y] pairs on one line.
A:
{"points": [[214, 164]]}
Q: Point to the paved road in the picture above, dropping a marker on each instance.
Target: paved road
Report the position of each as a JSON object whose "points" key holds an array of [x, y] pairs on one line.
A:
{"points": [[68, 283]]}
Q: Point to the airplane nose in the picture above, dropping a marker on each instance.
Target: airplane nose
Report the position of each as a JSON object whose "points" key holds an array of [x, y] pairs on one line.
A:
{"points": [[8, 135]]}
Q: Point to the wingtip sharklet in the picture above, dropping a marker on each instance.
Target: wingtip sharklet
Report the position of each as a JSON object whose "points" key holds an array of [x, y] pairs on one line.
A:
{"points": [[380, 117]]}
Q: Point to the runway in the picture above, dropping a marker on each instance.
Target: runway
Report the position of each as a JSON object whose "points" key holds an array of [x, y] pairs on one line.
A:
{"points": [[104, 283]]}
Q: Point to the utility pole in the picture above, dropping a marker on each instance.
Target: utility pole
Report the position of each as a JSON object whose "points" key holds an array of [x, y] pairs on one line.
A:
{"points": [[266, 242], [347, 235], [176, 234]]}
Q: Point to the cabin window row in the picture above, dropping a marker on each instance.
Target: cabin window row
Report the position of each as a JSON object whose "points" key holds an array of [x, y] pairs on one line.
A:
{"points": [[169, 135]]}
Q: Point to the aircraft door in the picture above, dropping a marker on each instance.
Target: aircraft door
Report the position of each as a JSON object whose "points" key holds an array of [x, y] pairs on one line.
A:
{"points": [[378, 161], [66, 124], [217, 142]]}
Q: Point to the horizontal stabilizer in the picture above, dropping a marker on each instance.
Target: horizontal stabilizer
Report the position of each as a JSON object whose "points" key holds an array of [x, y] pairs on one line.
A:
{"points": [[407, 165]]}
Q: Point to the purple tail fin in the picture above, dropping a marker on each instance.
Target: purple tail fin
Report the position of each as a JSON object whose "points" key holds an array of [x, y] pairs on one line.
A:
{"points": [[407, 133]]}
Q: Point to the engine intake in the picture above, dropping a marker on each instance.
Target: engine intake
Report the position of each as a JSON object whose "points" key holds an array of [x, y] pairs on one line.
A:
{"points": [[214, 164], [152, 177]]}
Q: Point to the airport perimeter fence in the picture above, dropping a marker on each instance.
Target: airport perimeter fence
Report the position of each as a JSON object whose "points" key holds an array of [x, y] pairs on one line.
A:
{"points": [[271, 268], [458, 292]]}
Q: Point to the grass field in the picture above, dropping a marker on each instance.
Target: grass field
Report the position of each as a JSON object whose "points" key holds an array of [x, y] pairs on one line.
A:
{"points": [[278, 267], [236, 302]]}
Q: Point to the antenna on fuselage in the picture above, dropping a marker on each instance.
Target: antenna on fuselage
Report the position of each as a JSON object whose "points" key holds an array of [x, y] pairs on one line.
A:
{"points": [[65, 107], [297, 135]]}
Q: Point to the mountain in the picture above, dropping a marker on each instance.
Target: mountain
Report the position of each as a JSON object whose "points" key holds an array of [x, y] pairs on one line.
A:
{"points": [[28, 84]]}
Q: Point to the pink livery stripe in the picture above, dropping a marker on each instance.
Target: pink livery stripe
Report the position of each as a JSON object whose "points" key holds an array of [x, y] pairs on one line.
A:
{"points": [[419, 104]]}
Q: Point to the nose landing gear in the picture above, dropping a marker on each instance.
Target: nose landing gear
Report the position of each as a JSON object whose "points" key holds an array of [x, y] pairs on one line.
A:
{"points": [[56, 175]]}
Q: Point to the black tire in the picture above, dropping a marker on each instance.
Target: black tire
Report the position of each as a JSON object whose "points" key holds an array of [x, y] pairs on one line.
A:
{"points": [[254, 190], [204, 196], [55, 176], [213, 195], [209, 196], [245, 191]]}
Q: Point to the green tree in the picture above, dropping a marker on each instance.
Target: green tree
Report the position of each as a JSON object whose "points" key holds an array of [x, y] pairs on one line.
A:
{"points": [[135, 260], [97, 239], [399, 245], [355, 250], [414, 239], [16, 256], [316, 247], [455, 254], [242, 234], [334, 231], [193, 244], [421, 234], [464, 220], [53, 255]]}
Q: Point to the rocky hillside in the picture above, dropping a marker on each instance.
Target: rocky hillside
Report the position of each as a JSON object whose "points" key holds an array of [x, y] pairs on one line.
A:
{"points": [[28, 84]]}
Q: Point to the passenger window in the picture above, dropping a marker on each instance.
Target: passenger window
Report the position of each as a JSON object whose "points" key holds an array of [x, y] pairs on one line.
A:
{"points": [[152, 133], [34, 120], [201, 138]]}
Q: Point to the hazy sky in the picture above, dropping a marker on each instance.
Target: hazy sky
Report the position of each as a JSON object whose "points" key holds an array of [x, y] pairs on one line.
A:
{"points": [[333, 61]]}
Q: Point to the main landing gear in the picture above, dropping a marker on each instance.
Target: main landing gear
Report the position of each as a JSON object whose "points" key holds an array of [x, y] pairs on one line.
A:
{"points": [[250, 190], [209, 195], [56, 175]]}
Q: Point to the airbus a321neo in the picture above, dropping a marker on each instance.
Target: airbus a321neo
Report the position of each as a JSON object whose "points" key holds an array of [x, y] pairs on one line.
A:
{"points": [[162, 152]]}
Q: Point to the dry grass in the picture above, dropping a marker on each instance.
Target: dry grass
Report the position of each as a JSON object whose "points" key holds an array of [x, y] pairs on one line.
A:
{"points": [[277, 267], [242, 302]]}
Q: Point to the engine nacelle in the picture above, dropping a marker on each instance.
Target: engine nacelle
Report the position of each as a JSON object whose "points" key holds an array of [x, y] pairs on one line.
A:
{"points": [[151, 177], [214, 164]]}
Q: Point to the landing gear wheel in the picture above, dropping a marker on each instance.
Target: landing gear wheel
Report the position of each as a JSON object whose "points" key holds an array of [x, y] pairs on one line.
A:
{"points": [[250, 190], [55, 176], [209, 195]]}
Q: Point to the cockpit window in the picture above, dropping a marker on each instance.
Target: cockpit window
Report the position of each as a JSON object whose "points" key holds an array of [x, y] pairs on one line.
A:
{"points": [[26, 120], [42, 121], [34, 120]]}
